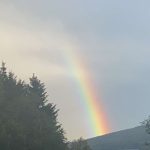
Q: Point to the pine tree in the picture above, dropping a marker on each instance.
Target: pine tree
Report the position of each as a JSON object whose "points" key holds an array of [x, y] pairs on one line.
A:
{"points": [[49, 114], [38, 89], [27, 120], [79, 144]]}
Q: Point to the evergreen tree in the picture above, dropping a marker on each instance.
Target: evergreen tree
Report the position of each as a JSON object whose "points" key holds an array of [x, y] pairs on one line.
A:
{"points": [[146, 123], [27, 120], [79, 144], [38, 89]]}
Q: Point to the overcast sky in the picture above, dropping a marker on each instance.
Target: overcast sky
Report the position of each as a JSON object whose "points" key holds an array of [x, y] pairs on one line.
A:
{"points": [[112, 38]]}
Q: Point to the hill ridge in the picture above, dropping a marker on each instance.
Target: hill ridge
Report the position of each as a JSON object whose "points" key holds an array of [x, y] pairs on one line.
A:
{"points": [[133, 138]]}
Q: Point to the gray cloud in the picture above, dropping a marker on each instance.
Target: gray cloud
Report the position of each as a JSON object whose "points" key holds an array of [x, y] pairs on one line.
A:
{"points": [[111, 37]]}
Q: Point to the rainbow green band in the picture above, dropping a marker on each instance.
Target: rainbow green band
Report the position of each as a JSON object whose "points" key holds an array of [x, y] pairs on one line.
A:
{"points": [[94, 110]]}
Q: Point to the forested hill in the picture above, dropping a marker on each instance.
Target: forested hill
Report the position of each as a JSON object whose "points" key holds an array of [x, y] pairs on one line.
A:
{"points": [[134, 138]]}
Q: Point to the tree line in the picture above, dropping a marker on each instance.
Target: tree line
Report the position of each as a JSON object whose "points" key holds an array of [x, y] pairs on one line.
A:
{"points": [[28, 121]]}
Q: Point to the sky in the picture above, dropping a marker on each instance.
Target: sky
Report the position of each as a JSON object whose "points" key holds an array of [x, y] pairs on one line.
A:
{"points": [[112, 40]]}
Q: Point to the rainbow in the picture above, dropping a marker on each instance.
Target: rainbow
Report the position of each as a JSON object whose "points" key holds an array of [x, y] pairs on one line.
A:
{"points": [[94, 110]]}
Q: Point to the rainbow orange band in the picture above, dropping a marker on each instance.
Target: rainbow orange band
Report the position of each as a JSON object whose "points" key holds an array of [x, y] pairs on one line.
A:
{"points": [[94, 110]]}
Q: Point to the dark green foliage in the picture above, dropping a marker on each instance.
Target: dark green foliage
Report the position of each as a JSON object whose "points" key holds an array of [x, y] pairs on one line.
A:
{"points": [[79, 144], [146, 123], [27, 120]]}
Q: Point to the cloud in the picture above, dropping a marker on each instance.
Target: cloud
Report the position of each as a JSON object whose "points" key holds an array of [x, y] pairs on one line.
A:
{"points": [[111, 37], [23, 36], [29, 45]]}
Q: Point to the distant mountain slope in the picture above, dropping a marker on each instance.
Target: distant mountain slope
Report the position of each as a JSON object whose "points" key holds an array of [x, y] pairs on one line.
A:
{"points": [[134, 138]]}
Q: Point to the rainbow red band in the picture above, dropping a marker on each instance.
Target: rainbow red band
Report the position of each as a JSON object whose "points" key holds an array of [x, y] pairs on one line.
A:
{"points": [[95, 113]]}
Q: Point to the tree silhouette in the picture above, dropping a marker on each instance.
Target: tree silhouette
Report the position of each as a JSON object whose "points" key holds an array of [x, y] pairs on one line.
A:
{"points": [[27, 120]]}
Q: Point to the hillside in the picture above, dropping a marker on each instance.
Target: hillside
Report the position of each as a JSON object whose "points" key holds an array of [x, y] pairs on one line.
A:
{"points": [[134, 138]]}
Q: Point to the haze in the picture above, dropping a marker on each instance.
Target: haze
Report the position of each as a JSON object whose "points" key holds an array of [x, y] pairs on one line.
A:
{"points": [[112, 38]]}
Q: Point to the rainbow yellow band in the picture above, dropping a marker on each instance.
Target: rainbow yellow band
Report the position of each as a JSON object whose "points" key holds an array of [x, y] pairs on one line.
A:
{"points": [[95, 113]]}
